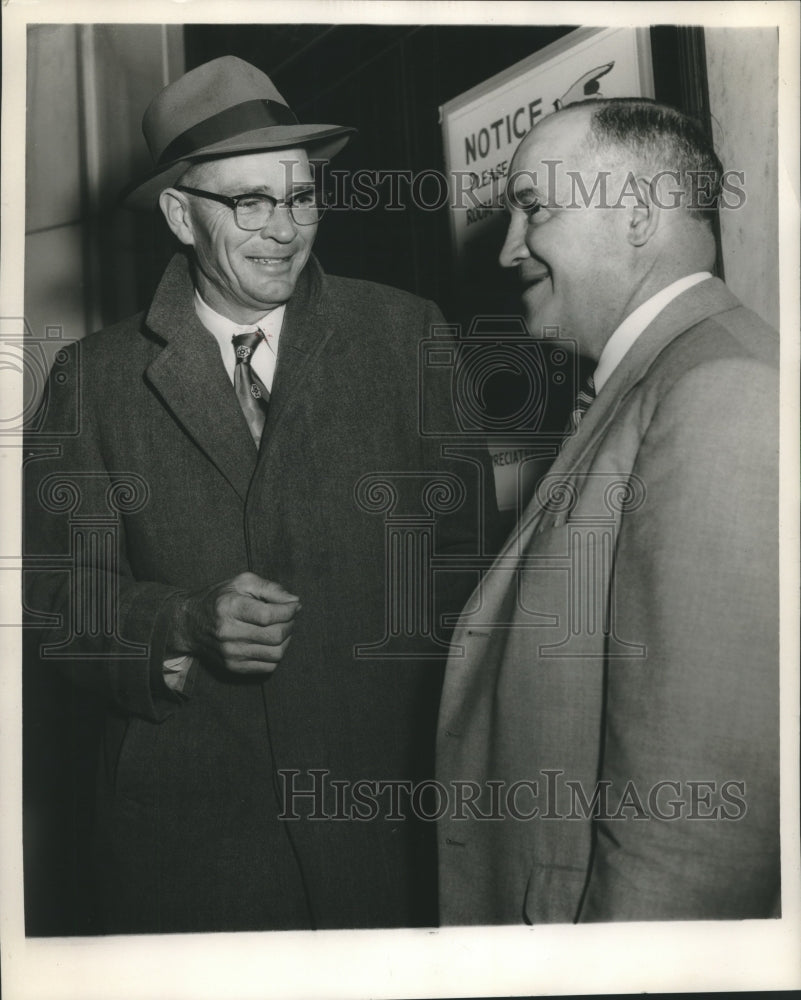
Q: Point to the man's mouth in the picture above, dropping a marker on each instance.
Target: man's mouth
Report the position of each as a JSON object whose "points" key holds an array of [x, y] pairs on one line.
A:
{"points": [[536, 289], [531, 277], [277, 262]]}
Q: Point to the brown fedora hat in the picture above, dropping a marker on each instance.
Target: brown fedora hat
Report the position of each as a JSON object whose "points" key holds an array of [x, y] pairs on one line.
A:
{"points": [[222, 108]]}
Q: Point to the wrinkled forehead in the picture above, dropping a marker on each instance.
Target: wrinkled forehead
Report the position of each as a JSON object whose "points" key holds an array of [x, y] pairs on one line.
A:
{"points": [[281, 169]]}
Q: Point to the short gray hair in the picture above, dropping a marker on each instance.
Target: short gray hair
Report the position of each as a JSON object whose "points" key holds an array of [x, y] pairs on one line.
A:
{"points": [[660, 138]]}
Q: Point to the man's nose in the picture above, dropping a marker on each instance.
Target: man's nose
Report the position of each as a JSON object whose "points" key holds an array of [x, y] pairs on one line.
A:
{"points": [[514, 249], [280, 226]]}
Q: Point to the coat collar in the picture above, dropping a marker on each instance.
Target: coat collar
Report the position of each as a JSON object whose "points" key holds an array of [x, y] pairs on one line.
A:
{"points": [[190, 379]]}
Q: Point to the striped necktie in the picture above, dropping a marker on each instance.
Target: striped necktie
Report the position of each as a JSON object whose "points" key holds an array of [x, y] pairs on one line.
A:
{"points": [[253, 395], [586, 395]]}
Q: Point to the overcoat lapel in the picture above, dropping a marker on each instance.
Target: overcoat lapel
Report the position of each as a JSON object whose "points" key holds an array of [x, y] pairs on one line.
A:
{"points": [[303, 336], [189, 376]]}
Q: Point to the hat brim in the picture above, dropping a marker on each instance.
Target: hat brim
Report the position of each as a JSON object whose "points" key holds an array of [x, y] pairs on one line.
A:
{"points": [[320, 141]]}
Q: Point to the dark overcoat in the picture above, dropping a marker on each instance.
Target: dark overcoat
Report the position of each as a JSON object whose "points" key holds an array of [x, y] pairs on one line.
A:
{"points": [[143, 482]]}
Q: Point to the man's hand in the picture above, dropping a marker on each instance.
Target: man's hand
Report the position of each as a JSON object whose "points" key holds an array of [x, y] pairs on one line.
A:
{"points": [[586, 86], [244, 624]]}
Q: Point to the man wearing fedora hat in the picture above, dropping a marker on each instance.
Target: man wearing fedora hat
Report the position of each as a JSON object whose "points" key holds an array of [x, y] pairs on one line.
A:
{"points": [[241, 413]]}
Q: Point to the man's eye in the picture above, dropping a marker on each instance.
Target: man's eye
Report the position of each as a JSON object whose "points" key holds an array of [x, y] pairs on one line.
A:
{"points": [[304, 199], [250, 202], [528, 205]]}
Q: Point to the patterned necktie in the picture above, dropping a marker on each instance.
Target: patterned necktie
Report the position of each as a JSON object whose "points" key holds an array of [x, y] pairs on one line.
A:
{"points": [[251, 392], [586, 395]]}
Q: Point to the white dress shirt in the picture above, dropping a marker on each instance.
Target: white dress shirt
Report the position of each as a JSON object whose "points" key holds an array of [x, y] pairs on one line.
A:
{"points": [[262, 362], [634, 324]]}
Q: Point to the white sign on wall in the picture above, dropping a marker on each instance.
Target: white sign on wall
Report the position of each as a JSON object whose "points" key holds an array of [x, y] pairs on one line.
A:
{"points": [[483, 127]]}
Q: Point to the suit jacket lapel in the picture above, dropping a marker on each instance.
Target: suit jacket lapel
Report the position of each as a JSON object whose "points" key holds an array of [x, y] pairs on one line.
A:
{"points": [[696, 304], [685, 311], [688, 309], [190, 378]]}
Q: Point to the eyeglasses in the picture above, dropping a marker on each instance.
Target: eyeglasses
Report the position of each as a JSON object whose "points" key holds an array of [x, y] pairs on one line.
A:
{"points": [[254, 211]]}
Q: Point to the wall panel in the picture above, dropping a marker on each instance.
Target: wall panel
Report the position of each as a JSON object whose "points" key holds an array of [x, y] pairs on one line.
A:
{"points": [[742, 69]]}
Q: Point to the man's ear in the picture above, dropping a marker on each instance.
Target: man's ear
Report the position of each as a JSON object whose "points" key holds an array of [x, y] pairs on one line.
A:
{"points": [[645, 214], [175, 209]]}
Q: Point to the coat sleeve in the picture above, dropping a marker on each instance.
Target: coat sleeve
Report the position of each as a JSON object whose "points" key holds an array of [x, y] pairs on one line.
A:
{"points": [[93, 621], [690, 746]]}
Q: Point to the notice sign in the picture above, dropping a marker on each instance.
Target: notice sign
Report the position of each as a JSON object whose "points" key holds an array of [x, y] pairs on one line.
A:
{"points": [[483, 127]]}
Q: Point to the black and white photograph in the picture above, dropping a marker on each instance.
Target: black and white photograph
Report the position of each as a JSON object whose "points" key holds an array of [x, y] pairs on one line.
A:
{"points": [[401, 551]]}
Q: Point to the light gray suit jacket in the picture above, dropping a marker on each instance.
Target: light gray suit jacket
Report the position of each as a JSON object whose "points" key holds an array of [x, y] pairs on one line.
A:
{"points": [[625, 645]]}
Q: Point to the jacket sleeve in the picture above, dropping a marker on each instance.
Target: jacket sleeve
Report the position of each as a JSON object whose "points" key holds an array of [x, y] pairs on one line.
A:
{"points": [[690, 742], [93, 620]]}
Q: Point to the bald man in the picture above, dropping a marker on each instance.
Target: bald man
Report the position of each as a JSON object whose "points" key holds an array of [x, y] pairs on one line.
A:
{"points": [[608, 729]]}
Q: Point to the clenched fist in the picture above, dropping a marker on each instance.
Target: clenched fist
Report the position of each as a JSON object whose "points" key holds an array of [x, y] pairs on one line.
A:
{"points": [[243, 625]]}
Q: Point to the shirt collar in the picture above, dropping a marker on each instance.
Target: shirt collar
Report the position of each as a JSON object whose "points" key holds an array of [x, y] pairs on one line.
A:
{"points": [[634, 324], [224, 329]]}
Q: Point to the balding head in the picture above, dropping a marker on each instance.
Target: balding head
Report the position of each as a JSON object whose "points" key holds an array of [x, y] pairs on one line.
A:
{"points": [[652, 139], [604, 212]]}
